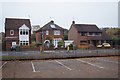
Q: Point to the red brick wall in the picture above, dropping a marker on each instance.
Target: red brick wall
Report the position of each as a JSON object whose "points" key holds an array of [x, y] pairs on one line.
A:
{"points": [[38, 37], [73, 35], [7, 33], [30, 36], [51, 35], [10, 40]]}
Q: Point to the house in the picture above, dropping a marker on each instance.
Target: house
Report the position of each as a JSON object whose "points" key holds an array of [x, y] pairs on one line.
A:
{"points": [[87, 34], [35, 28], [17, 32], [2, 41], [52, 34]]}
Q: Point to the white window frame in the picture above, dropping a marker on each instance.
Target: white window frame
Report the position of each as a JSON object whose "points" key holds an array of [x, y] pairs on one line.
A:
{"points": [[47, 32], [11, 32], [24, 43], [56, 32], [26, 30]]}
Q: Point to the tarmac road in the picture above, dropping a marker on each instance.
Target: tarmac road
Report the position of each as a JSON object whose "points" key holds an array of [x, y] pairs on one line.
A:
{"points": [[99, 67]]}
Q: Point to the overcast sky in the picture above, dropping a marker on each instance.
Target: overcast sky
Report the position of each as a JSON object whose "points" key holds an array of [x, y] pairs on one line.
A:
{"points": [[103, 14]]}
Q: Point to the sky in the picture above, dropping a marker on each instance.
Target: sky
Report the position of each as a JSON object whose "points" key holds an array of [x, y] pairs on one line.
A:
{"points": [[103, 13]]}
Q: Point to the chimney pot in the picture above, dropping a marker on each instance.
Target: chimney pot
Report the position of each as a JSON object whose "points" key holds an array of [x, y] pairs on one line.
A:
{"points": [[52, 21], [73, 22]]}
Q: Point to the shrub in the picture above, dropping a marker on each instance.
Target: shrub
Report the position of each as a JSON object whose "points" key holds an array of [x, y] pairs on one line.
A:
{"points": [[71, 46]]}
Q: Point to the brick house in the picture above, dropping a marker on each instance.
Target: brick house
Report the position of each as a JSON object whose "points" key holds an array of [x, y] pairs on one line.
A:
{"points": [[87, 34], [52, 34], [17, 32]]}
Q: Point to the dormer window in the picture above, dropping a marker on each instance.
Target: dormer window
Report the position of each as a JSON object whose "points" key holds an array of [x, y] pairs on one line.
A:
{"points": [[11, 32]]}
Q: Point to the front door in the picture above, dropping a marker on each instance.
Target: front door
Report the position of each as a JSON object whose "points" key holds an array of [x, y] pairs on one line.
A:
{"points": [[55, 41], [13, 43]]}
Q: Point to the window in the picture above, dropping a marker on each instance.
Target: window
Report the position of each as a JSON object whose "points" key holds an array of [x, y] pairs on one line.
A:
{"points": [[94, 34], [11, 32], [98, 34], [23, 43], [83, 33], [47, 32], [24, 32], [90, 33], [52, 26], [56, 32]]}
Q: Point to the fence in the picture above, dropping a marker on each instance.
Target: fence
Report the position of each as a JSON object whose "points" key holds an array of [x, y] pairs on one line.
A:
{"points": [[55, 54]]}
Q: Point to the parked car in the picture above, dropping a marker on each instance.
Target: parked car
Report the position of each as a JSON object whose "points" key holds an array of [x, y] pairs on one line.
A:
{"points": [[106, 45], [99, 46]]}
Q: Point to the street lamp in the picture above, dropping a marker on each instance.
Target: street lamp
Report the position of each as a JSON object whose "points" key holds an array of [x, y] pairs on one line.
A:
{"points": [[42, 40]]}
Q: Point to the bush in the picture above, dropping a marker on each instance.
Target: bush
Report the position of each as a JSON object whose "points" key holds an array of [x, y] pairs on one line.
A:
{"points": [[71, 46], [60, 43]]}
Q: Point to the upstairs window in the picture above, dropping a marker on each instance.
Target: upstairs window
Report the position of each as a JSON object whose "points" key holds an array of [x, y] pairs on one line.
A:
{"points": [[24, 32], [90, 33], [94, 34], [56, 32], [83, 33], [47, 32], [11, 32], [98, 34]]}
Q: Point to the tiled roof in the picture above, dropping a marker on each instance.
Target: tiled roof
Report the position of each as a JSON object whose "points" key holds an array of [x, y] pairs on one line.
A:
{"points": [[48, 26], [13, 23], [92, 28], [86, 28]]}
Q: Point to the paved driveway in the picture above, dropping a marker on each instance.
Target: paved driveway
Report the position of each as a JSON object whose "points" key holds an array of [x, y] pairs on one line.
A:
{"points": [[99, 67]]}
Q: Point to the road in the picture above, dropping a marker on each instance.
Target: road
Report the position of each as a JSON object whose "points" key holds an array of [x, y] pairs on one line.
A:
{"points": [[98, 67]]}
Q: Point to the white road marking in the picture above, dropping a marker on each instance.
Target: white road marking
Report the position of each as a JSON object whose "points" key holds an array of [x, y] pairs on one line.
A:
{"points": [[3, 65], [89, 63], [63, 65], [107, 60], [33, 67]]}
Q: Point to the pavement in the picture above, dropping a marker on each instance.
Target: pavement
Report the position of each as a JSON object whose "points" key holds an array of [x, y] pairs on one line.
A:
{"points": [[56, 54], [95, 67]]}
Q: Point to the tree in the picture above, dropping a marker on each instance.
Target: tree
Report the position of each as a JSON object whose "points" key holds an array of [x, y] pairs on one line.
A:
{"points": [[65, 34], [114, 33], [33, 37]]}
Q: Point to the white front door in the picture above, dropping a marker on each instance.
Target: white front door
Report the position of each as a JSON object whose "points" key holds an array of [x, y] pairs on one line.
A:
{"points": [[55, 41], [13, 43]]}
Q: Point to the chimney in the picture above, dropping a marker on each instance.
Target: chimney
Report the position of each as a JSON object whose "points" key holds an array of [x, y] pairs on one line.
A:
{"points": [[73, 22], [52, 21]]}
